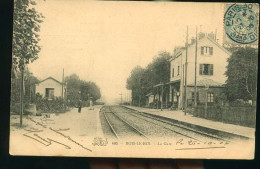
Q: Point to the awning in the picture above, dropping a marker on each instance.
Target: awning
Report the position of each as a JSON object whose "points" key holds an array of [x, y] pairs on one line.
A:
{"points": [[149, 94], [163, 84], [173, 82], [207, 82]]}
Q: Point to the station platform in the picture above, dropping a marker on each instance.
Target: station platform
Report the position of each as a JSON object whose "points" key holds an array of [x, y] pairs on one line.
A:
{"points": [[84, 125], [199, 123], [87, 123]]}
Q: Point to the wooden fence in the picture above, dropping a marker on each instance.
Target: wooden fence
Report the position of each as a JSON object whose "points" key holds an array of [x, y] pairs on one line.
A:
{"points": [[245, 116]]}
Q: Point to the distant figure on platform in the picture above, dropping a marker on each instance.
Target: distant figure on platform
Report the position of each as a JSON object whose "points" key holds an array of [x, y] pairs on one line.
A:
{"points": [[91, 104], [79, 106]]}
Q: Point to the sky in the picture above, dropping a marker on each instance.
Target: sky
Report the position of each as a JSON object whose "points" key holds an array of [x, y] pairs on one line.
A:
{"points": [[103, 41]]}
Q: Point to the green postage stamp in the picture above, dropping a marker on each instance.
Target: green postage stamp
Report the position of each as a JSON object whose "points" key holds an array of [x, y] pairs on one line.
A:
{"points": [[241, 22]]}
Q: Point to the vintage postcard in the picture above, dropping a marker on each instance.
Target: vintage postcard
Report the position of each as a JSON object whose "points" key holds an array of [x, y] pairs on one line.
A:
{"points": [[134, 79]]}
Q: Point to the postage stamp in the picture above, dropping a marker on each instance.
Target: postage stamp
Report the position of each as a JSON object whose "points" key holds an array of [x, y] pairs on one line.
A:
{"points": [[241, 23]]}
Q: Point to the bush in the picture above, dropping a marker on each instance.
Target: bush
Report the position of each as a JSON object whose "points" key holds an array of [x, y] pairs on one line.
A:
{"points": [[99, 103], [56, 105], [238, 103], [15, 108]]}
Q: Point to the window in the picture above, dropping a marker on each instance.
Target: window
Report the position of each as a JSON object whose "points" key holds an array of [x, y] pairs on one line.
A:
{"points": [[178, 70], [206, 69], [172, 72], [49, 93], [206, 50], [210, 97], [193, 96]]}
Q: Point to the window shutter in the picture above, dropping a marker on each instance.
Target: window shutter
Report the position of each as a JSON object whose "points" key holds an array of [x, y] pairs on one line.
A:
{"points": [[201, 69], [211, 50], [202, 50], [211, 69], [172, 72]]}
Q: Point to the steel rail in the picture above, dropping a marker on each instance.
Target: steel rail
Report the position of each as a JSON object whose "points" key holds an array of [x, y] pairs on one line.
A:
{"points": [[135, 129], [169, 129], [169, 123], [110, 125]]}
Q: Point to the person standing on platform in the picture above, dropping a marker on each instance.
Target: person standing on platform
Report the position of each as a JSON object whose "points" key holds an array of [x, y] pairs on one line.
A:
{"points": [[79, 106], [91, 104]]}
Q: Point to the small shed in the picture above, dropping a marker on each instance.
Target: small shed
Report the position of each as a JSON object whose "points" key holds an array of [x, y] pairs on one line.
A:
{"points": [[149, 99], [50, 88]]}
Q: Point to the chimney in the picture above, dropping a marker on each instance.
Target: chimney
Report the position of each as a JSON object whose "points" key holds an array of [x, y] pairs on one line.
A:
{"points": [[211, 35], [193, 40], [177, 49], [201, 35]]}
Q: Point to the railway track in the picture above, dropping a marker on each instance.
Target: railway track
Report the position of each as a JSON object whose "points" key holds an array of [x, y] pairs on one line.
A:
{"points": [[180, 130], [120, 127]]}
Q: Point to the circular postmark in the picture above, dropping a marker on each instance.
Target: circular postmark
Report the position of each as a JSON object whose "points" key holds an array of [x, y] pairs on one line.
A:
{"points": [[241, 23]]}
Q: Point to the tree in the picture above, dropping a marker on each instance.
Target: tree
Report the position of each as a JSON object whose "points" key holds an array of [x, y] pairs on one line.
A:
{"points": [[29, 85], [89, 89], [25, 39], [242, 75], [136, 83], [26, 24], [159, 70], [141, 81], [80, 89], [73, 88]]}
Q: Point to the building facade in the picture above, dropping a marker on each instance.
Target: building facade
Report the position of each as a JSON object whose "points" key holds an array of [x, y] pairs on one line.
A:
{"points": [[210, 72], [50, 88], [149, 99]]}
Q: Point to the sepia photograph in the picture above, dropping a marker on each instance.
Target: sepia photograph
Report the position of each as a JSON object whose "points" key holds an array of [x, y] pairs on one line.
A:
{"points": [[134, 79]]}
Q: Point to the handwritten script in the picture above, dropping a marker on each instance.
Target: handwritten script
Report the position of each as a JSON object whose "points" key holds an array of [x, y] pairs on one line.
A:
{"points": [[34, 134], [194, 144]]}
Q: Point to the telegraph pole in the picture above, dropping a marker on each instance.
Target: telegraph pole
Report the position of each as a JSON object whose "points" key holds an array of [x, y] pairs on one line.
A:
{"points": [[186, 67], [66, 91], [139, 101], [162, 96], [121, 97], [196, 55], [21, 94], [216, 35], [62, 89]]}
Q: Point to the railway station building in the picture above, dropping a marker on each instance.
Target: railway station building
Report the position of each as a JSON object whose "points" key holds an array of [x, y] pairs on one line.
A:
{"points": [[210, 75]]}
